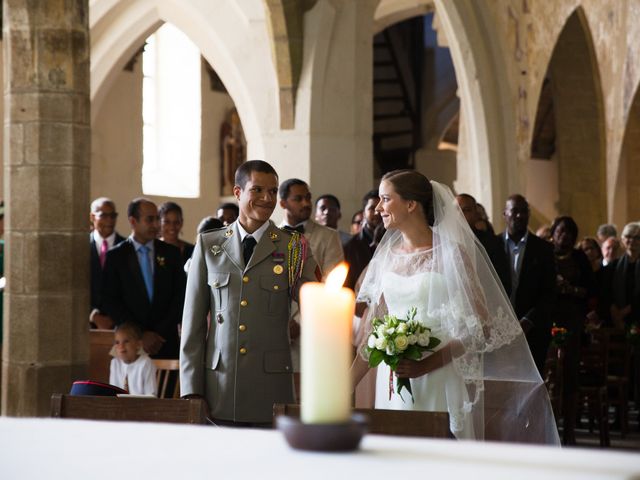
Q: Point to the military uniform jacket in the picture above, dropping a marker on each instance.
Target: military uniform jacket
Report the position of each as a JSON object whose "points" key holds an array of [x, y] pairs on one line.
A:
{"points": [[243, 364]]}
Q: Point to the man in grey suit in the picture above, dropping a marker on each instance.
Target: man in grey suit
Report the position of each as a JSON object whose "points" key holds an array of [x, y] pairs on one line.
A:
{"points": [[245, 275]]}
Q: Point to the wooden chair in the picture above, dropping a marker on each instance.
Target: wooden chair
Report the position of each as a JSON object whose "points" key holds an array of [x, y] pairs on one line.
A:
{"points": [[618, 373], [100, 344], [390, 422], [592, 383], [554, 378], [133, 409], [168, 382]]}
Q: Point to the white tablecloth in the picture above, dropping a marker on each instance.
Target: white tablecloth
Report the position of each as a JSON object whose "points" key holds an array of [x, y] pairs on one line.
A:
{"points": [[69, 449]]}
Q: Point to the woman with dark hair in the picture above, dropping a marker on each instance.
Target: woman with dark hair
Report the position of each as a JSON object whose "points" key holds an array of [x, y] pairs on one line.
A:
{"points": [[171, 221], [591, 249], [576, 287], [430, 260]]}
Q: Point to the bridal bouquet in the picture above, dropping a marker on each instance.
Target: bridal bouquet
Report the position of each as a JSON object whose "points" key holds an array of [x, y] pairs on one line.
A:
{"points": [[393, 339]]}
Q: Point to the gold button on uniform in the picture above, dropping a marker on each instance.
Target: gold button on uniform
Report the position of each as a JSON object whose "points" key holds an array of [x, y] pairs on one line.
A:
{"points": [[242, 327], [245, 279], [216, 284], [276, 287], [243, 303], [243, 351]]}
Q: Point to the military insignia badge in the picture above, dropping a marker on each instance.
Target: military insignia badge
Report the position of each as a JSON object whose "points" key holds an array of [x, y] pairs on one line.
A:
{"points": [[278, 269], [228, 233], [216, 249], [273, 236], [278, 257]]}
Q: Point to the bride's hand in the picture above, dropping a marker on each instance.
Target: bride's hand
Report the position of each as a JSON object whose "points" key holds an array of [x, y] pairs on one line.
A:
{"points": [[418, 368]]}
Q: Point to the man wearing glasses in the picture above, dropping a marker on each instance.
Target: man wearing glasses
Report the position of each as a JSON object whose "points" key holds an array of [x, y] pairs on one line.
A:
{"points": [[103, 237]]}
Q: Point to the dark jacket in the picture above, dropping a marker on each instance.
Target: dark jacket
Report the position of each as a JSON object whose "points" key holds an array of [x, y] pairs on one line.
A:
{"points": [[96, 271], [125, 297]]}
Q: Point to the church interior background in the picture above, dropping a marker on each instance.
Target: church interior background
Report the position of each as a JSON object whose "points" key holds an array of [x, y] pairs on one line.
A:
{"points": [[163, 98]]}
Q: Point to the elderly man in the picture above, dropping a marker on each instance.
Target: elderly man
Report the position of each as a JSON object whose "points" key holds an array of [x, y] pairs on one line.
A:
{"points": [[610, 250], [103, 218]]}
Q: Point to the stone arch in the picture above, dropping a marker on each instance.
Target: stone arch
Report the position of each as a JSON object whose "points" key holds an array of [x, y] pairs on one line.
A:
{"points": [[481, 74], [578, 115], [626, 205], [224, 35]]}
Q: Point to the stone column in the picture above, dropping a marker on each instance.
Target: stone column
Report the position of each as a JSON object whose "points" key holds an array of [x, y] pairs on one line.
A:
{"points": [[46, 166]]}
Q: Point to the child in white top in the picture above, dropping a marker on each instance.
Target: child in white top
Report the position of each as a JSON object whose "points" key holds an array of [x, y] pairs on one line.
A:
{"points": [[131, 367]]}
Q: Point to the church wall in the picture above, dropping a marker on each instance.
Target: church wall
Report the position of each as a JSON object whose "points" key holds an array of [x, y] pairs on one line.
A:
{"points": [[529, 31], [117, 151]]}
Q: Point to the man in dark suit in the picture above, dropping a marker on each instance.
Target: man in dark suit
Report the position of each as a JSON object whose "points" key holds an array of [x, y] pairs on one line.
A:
{"points": [[531, 284], [103, 237], [359, 250], [144, 282], [489, 241]]}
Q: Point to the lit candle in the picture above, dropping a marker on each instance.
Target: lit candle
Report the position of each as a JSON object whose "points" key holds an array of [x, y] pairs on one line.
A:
{"points": [[326, 312]]}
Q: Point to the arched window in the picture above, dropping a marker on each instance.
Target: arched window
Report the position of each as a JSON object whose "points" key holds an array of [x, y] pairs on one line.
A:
{"points": [[171, 114]]}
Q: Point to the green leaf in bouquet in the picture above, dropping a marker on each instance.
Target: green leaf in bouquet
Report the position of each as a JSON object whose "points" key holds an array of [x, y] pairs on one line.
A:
{"points": [[433, 343], [404, 383], [392, 361], [413, 352], [375, 357]]}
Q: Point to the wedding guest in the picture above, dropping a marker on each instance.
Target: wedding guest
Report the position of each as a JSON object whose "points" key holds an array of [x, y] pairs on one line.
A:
{"points": [[356, 222], [102, 238], [228, 213], [591, 249], [605, 231], [328, 213], [171, 222], [483, 223], [131, 368], [575, 287], [611, 250], [544, 232], [359, 250]]}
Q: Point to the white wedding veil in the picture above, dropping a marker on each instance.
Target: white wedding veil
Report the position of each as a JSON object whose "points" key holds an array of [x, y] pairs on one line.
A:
{"points": [[506, 398]]}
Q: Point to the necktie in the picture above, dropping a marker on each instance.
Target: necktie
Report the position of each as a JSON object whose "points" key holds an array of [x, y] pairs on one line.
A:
{"points": [[145, 267], [103, 252], [248, 244], [126, 383], [297, 228]]}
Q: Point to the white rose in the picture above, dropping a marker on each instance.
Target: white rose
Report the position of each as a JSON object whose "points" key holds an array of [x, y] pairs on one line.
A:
{"points": [[402, 328], [371, 342], [380, 331], [390, 350], [423, 339], [401, 342], [390, 331], [412, 339], [381, 343]]}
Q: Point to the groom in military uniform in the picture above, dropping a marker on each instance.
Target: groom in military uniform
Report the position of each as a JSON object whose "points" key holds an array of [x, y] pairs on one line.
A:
{"points": [[245, 276]]}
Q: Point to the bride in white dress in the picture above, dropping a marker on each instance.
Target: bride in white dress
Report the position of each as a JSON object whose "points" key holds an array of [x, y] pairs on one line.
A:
{"points": [[482, 372]]}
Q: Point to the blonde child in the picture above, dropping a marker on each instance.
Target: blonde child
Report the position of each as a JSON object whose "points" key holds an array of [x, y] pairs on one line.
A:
{"points": [[131, 367]]}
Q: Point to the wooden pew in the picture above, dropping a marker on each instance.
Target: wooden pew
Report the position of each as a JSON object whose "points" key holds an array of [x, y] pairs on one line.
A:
{"points": [[390, 422], [133, 409]]}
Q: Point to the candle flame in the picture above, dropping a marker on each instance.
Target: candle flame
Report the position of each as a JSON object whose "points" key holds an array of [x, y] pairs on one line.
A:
{"points": [[337, 276]]}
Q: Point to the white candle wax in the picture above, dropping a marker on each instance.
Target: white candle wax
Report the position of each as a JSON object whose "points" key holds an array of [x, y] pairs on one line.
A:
{"points": [[325, 349]]}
